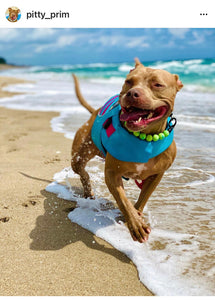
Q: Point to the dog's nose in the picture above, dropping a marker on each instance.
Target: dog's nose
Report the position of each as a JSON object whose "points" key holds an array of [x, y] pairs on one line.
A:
{"points": [[133, 93]]}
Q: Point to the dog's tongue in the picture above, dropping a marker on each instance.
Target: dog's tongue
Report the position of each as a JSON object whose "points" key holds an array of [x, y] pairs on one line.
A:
{"points": [[134, 115]]}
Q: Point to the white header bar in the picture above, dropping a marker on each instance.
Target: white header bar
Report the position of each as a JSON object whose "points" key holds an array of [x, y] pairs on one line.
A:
{"points": [[110, 14]]}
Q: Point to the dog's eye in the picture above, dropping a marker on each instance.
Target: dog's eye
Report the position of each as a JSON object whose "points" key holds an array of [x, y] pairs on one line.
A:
{"points": [[158, 85], [128, 81]]}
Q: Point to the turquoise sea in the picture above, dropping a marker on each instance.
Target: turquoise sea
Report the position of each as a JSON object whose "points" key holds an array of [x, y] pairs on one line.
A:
{"points": [[199, 73]]}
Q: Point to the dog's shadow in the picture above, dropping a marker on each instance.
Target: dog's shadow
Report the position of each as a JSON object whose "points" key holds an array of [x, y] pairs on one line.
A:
{"points": [[54, 231]]}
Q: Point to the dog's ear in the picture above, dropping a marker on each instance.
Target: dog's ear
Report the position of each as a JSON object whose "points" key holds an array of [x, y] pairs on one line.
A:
{"points": [[137, 62], [179, 84], [9, 9], [18, 11]]}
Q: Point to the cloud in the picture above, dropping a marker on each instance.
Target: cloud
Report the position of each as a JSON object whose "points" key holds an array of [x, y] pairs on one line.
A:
{"points": [[119, 40], [137, 42], [198, 38], [178, 32], [40, 33], [65, 40], [61, 42], [26, 35], [170, 44], [98, 44], [93, 38], [9, 34]]}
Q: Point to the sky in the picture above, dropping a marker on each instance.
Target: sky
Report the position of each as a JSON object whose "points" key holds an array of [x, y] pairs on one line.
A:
{"points": [[53, 46]]}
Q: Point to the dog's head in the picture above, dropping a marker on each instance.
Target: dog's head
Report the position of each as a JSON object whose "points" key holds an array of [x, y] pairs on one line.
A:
{"points": [[147, 98], [13, 13]]}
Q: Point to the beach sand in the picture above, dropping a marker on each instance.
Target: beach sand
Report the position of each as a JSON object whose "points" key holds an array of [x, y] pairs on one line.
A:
{"points": [[42, 252]]}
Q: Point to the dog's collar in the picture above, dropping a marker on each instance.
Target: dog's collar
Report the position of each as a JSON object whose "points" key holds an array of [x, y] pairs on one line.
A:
{"points": [[155, 137]]}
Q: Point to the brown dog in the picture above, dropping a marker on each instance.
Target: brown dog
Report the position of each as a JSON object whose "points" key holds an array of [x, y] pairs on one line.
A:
{"points": [[146, 99]]}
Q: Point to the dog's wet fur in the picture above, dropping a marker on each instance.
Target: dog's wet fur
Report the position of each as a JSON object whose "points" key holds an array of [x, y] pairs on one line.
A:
{"points": [[147, 99]]}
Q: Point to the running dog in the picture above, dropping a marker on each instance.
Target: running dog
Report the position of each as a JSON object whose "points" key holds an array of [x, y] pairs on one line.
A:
{"points": [[134, 132]]}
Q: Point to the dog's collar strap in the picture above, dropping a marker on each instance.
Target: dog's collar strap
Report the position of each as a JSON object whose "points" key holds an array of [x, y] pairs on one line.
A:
{"points": [[109, 136]]}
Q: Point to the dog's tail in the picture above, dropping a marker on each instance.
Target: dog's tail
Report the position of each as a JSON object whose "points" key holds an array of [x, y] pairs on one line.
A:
{"points": [[80, 97]]}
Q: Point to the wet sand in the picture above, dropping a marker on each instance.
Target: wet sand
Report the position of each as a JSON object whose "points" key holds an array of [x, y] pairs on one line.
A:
{"points": [[42, 253]]}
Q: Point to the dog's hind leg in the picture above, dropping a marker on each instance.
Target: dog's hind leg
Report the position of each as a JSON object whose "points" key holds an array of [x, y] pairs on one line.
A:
{"points": [[87, 150]]}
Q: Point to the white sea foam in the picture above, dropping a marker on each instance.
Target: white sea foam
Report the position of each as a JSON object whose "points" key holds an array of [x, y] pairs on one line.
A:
{"points": [[189, 177], [107, 81], [196, 125], [192, 61], [161, 262], [167, 65], [125, 68]]}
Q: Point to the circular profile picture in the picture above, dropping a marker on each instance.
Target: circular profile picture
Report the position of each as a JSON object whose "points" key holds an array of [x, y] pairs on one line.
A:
{"points": [[13, 14]]}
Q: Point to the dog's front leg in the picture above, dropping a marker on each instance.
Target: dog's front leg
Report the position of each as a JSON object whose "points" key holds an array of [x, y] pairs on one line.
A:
{"points": [[148, 187], [136, 225]]}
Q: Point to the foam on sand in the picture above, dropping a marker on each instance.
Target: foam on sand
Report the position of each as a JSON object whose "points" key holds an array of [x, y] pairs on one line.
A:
{"points": [[161, 262]]}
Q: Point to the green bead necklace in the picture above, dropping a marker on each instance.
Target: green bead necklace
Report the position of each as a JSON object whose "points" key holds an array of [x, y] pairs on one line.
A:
{"points": [[149, 137]]}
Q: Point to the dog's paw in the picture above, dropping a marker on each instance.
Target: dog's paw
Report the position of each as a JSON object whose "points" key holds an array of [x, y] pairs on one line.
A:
{"points": [[88, 194], [139, 230]]}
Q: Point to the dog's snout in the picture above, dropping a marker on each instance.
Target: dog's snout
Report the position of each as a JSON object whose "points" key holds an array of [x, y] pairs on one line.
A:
{"points": [[133, 93]]}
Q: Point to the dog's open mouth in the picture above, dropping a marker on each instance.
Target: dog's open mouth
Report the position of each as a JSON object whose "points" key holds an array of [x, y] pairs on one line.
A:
{"points": [[141, 117]]}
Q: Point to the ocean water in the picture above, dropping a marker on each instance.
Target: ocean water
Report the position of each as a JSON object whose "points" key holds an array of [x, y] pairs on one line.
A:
{"points": [[179, 258]]}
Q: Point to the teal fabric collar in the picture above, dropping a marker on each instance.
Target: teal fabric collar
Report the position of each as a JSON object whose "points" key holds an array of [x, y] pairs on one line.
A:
{"points": [[109, 136]]}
